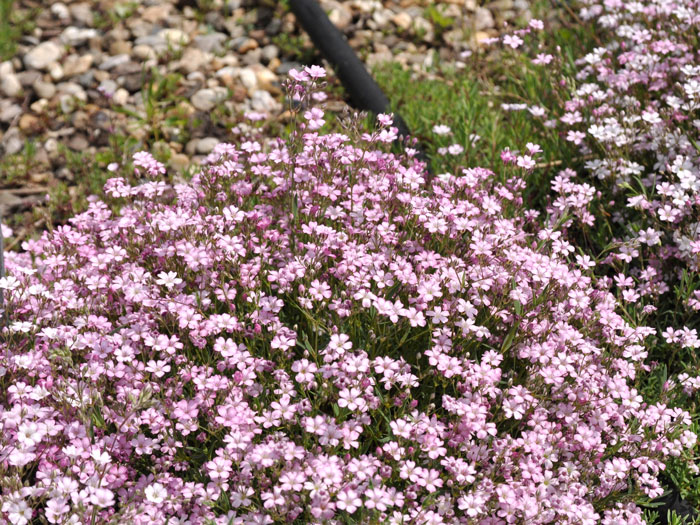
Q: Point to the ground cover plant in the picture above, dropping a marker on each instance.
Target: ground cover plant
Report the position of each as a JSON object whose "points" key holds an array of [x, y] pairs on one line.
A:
{"points": [[309, 332]]}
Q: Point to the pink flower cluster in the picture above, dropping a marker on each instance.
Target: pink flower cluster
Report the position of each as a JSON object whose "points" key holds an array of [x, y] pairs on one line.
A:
{"points": [[632, 112], [374, 350]]}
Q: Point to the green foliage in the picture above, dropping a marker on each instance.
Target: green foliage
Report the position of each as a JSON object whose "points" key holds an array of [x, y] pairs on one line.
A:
{"points": [[13, 24]]}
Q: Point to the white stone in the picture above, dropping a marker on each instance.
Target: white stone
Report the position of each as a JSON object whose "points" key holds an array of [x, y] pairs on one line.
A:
{"points": [[175, 37], [483, 19], [55, 71], [66, 103], [60, 11], [206, 145], [264, 102], [248, 78], [402, 20], [338, 14], [76, 36], [120, 97], [43, 55], [144, 52], [207, 99], [6, 68], [10, 85], [112, 62], [44, 89]]}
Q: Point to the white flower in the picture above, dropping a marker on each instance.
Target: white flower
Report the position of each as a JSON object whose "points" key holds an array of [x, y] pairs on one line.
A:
{"points": [[100, 458], [168, 280], [441, 129], [29, 434], [102, 498], [9, 283], [156, 493]]}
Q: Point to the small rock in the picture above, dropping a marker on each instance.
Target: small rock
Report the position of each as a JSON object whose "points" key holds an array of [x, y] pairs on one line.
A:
{"points": [[175, 37], [76, 65], [253, 57], [500, 5], [76, 36], [108, 87], [6, 68], [43, 55], [83, 13], [29, 124], [67, 104], [79, 119], [120, 97], [144, 52], [206, 145], [483, 19], [71, 88], [270, 52], [27, 78], [51, 147], [207, 99], [482, 36], [44, 89], [179, 162], [120, 47], [192, 60], [210, 43], [8, 110], [381, 17], [41, 177], [338, 14], [266, 79], [262, 101], [55, 71], [87, 79], [156, 13], [285, 67], [191, 147], [112, 62], [12, 142], [39, 106], [60, 11], [10, 85], [247, 45], [78, 142], [402, 20], [424, 29], [248, 78]]}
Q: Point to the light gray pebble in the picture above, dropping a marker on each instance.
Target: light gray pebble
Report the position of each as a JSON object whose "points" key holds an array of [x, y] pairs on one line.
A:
{"points": [[42, 55], [60, 11], [264, 102], [206, 145], [44, 89], [82, 13], [207, 99], [483, 19], [112, 62], [12, 141], [120, 97], [269, 52], [9, 110], [76, 36], [10, 85], [211, 42]]}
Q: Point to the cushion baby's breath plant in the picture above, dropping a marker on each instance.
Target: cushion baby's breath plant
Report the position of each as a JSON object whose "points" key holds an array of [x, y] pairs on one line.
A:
{"points": [[306, 333]]}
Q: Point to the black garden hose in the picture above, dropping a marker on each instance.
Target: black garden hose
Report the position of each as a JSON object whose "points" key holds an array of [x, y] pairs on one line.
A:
{"points": [[364, 92]]}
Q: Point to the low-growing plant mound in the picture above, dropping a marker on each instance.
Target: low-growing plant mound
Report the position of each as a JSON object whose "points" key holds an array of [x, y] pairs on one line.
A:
{"points": [[305, 333]]}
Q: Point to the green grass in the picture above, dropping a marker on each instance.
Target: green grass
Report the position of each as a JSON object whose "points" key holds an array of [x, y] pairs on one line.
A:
{"points": [[13, 24]]}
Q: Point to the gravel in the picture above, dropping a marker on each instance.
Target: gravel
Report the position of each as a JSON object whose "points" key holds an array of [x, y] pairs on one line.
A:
{"points": [[83, 65]]}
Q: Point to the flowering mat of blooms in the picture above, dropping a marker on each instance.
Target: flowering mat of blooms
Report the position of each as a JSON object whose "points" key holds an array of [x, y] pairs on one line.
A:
{"points": [[309, 331]]}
